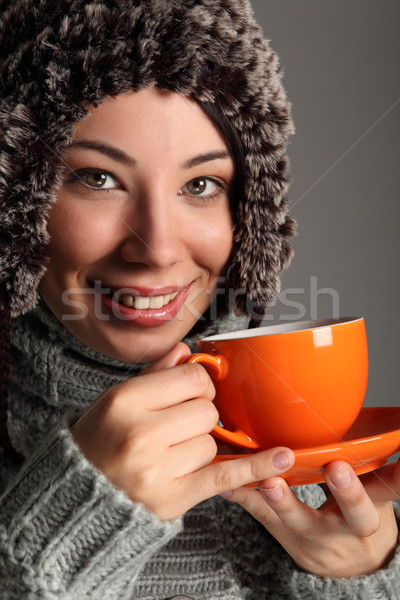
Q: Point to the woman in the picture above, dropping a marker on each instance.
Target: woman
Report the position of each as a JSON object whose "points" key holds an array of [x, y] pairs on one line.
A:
{"points": [[143, 183]]}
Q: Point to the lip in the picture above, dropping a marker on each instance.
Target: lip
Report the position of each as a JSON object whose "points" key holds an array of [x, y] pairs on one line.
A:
{"points": [[150, 317]]}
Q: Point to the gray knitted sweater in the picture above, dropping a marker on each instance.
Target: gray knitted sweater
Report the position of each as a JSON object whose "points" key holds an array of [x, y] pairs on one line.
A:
{"points": [[67, 534]]}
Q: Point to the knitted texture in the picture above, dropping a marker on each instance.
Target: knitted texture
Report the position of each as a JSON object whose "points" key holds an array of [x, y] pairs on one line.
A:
{"points": [[67, 533], [79, 535], [60, 56], [52, 373]]}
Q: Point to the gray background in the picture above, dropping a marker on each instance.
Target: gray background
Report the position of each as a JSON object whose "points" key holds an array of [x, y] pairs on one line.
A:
{"points": [[341, 65]]}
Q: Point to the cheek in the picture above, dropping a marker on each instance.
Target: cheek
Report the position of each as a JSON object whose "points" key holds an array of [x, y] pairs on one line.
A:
{"points": [[77, 238], [214, 244]]}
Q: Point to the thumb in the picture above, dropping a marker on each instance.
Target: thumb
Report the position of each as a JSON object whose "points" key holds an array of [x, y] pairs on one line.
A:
{"points": [[171, 359]]}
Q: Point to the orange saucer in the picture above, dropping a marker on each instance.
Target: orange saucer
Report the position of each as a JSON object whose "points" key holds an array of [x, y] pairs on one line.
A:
{"points": [[366, 446]]}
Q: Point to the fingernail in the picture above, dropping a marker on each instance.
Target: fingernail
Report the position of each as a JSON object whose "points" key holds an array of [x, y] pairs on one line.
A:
{"points": [[283, 459], [342, 478], [274, 493], [226, 494]]}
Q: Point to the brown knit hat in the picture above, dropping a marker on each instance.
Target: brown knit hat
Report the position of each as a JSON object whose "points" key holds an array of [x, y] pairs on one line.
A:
{"points": [[61, 55]]}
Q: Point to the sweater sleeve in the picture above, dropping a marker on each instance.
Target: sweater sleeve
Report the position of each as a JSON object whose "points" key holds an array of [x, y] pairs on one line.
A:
{"points": [[67, 533], [265, 570], [383, 584]]}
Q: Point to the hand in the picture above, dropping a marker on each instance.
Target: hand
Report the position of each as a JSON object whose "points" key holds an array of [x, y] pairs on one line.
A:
{"points": [[150, 436], [353, 533]]}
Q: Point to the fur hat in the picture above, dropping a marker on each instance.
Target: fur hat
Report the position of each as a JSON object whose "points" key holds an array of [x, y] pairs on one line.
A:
{"points": [[59, 56]]}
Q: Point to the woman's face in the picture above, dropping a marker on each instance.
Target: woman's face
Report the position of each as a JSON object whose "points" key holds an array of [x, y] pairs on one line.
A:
{"points": [[141, 229]]}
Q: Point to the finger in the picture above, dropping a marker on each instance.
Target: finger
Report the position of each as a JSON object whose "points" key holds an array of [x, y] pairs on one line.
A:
{"points": [[180, 423], [192, 455], [171, 359], [161, 389], [296, 516], [383, 485], [253, 501], [356, 506], [231, 474], [279, 510]]}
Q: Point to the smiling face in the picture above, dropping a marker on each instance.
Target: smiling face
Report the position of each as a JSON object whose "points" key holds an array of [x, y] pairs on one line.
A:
{"points": [[142, 228]]}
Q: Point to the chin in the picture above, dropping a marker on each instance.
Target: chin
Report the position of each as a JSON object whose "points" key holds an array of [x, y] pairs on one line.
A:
{"points": [[132, 346]]}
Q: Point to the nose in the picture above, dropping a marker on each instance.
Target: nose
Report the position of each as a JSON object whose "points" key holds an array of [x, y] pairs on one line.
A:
{"points": [[154, 233]]}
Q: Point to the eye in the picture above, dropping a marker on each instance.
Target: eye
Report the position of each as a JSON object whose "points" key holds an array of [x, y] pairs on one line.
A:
{"points": [[205, 187], [96, 178]]}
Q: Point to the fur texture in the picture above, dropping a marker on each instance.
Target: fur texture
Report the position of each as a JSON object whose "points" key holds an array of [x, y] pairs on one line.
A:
{"points": [[60, 55]]}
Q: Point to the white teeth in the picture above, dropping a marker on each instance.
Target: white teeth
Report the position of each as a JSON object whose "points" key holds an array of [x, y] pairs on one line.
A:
{"points": [[168, 297], [141, 302], [144, 302], [126, 300], [156, 302]]}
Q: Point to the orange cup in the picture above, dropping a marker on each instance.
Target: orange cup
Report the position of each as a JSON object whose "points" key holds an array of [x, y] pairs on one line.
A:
{"points": [[298, 385]]}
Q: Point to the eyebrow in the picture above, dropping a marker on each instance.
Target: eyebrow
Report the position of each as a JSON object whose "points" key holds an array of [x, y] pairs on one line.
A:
{"points": [[123, 158], [206, 157], [110, 151]]}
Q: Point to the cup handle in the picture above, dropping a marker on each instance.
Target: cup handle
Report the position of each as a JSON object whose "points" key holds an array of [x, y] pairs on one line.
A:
{"points": [[218, 367]]}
